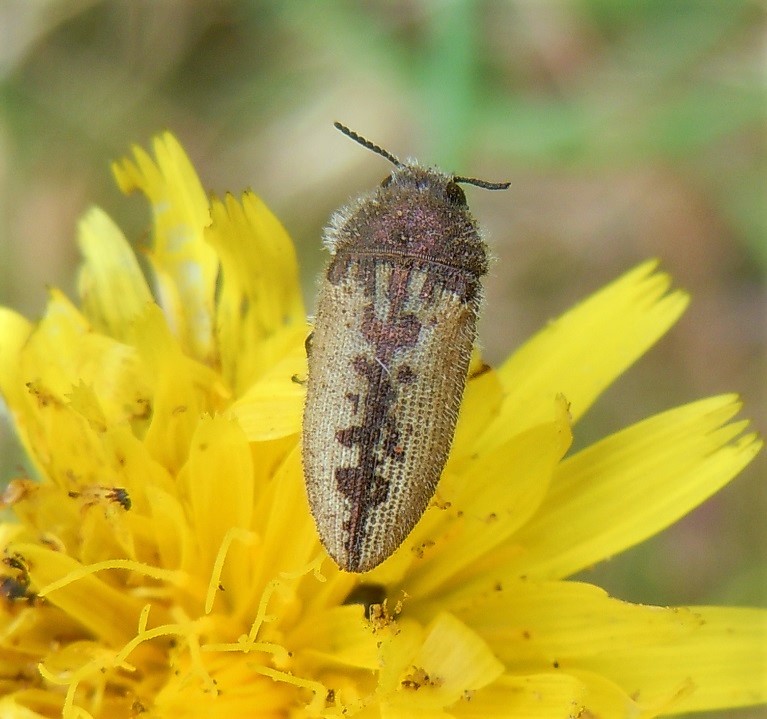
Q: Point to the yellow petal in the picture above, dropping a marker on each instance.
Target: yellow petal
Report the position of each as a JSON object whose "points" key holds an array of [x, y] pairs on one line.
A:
{"points": [[631, 485], [66, 362], [111, 285], [273, 406], [339, 635], [674, 659], [455, 656], [411, 711], [723, 660], [447, 662], [66, 445], [238, 693], [535, 696], [582, 352], [604, 698], [14, 332], [217, 482], [10, 708], [540, 626], [282, 512], [483, 506], [104, 610], [185, 265], [260, 297], [181, 389], [175, 543], [481, 402]]}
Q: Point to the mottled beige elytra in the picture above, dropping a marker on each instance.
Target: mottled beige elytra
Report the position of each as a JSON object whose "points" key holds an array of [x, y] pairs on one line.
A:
{"points": [[395, 323]]}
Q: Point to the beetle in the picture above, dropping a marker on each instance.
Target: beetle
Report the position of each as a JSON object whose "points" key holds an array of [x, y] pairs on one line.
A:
{"points": [[394, 328]]}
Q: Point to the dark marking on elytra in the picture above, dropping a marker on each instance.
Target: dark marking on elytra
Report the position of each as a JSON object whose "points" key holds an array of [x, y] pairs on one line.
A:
{"points": [[354, 399], [377, 436], [337, 270], [439, 277], [397, 291], [406, 375], [397, 332], [350, 436]]}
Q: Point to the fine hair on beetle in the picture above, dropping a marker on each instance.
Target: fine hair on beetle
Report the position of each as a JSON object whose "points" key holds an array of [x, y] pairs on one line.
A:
{"points": [[390, 350]]}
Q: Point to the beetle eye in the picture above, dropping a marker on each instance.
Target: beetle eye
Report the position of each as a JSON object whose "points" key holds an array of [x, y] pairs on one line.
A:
{"points": [[454, 194], [386, 181]]}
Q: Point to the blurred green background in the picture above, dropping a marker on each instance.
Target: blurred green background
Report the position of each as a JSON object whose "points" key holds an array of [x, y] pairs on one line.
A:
{"points": [[628, 129]]}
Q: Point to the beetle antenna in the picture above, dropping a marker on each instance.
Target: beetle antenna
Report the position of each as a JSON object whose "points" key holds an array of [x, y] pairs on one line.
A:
{"points": [[366, 143], [482, 183]]}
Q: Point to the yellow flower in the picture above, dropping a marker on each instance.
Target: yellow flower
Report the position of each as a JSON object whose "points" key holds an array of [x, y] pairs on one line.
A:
{"points": [[164, 562]]}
